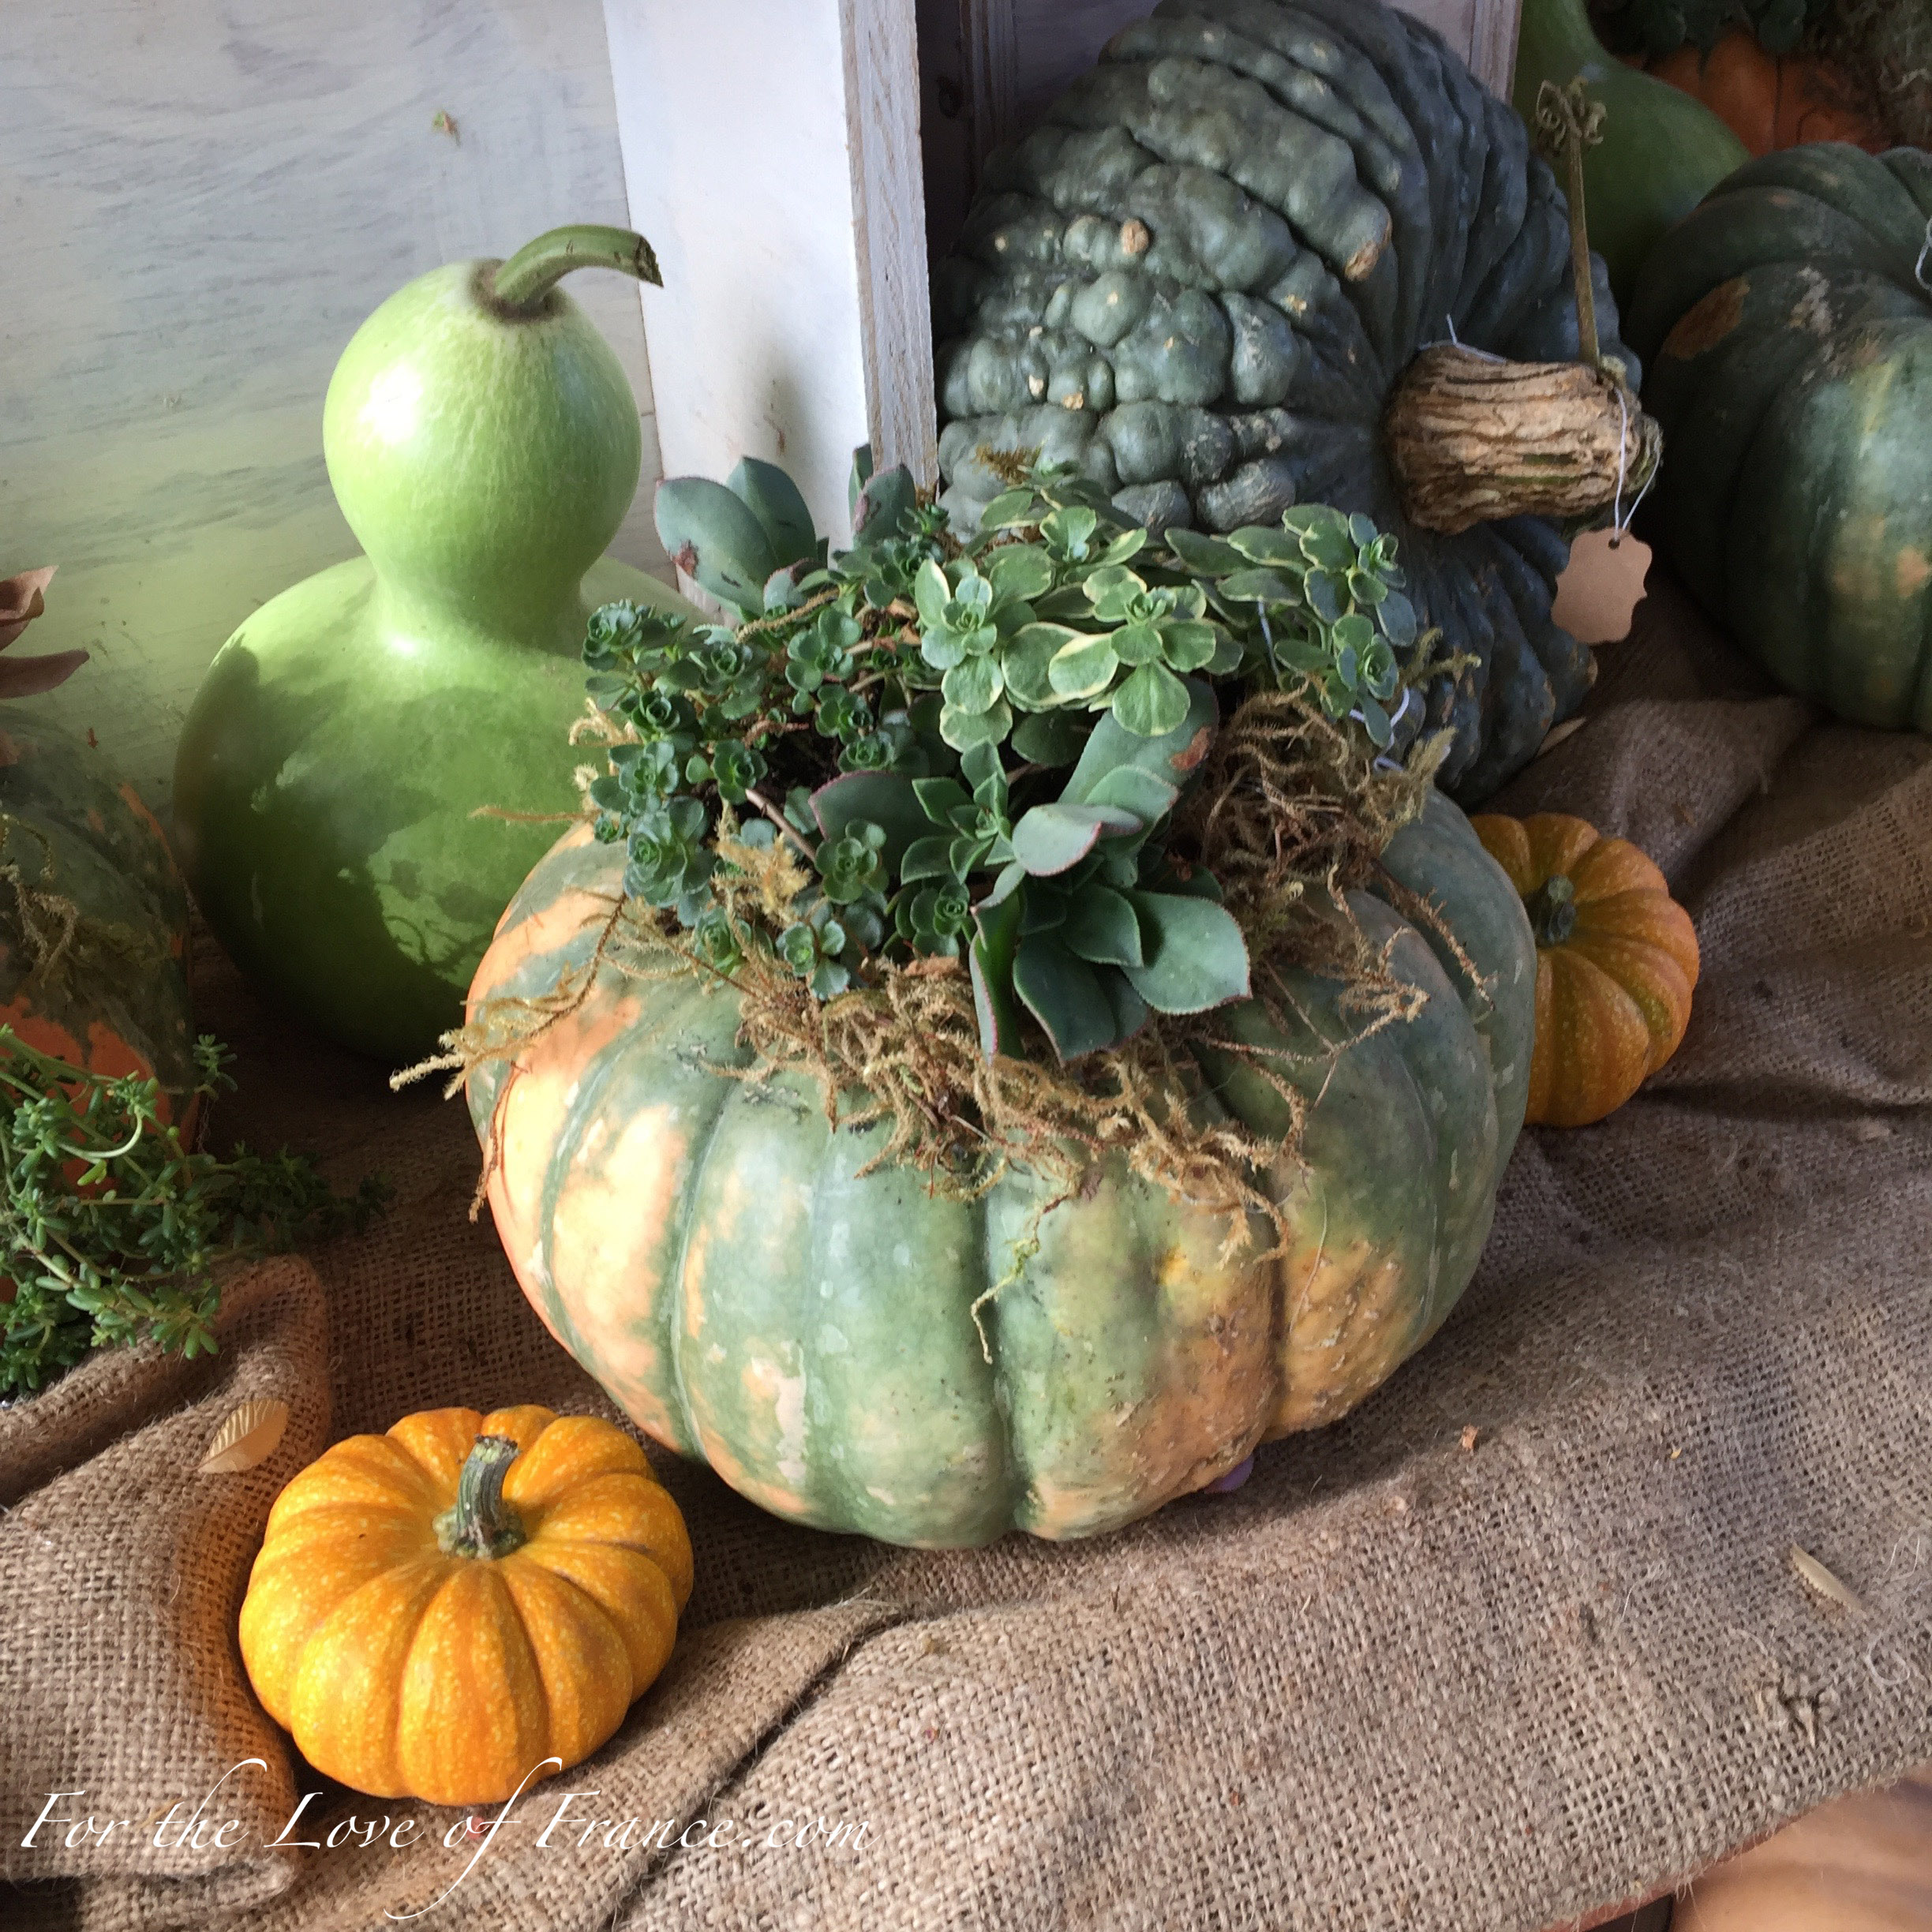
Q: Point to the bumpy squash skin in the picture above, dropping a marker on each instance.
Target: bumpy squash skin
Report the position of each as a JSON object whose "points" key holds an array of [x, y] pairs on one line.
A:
{"points": [[1613, 996], [406, 1671], [704, 1247], [1200, 279], [1789, 345], [118, 1000]]}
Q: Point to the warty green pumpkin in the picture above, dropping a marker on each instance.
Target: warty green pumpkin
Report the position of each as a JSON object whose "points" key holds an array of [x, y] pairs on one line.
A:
{"points": [[855, 1352], [1202, 279], [1787, 323]]}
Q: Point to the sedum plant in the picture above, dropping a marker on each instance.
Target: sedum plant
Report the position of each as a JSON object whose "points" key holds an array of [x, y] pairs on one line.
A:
{"points": [[928, 747]]}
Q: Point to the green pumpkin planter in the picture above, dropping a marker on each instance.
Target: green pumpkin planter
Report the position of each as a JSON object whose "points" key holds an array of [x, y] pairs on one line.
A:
{"points": [[484, 444], [709, 1249], [1786, 326]]}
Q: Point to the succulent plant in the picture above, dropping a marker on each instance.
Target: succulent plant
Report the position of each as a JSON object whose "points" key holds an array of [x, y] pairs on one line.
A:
{"points": [[981, 744]]}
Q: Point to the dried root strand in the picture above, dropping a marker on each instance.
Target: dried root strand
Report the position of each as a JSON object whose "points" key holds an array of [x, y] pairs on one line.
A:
{"points": [[1290, 815]]}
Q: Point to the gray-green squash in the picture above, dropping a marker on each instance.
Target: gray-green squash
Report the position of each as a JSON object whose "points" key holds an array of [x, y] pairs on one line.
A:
{"points": [[1201, 278]]}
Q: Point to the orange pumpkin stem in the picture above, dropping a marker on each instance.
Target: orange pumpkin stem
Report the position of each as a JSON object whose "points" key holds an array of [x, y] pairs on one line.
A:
{"points": [[482, 1524], [1553, 911]]}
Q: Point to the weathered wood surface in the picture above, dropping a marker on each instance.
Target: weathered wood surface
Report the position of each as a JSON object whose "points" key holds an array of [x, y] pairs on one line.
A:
{"points": [[773, 159], [198, 203]]}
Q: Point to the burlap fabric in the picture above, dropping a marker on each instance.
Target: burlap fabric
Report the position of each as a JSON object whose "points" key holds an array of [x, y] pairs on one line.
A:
{"points": [[1396, 1680]]}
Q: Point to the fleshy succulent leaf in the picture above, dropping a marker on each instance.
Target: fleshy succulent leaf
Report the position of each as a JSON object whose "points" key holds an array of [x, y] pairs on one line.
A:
{"points": [[1196, 958], [990, 960], [773, 499], [1173, 757], [1152, 702], [1055, 837], [1102, 927], [1065, 994], [882, 799], [713, 538]]}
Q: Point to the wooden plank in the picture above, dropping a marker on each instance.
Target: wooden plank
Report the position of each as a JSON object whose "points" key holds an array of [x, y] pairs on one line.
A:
{"points": [[881, 69], [774, 160], [198, 203]]}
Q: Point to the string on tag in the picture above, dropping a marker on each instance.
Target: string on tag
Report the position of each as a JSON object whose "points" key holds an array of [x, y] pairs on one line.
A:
{"points": [[1918, 267], [1618, 522], [1456, 342]]}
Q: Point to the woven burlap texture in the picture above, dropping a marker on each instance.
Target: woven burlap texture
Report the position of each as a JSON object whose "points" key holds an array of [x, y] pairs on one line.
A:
{"points": [[1396, 1680]]}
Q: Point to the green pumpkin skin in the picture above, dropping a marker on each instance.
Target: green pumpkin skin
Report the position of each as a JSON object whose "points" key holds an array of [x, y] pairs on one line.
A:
{"points": [[1661, 151], [343, 737], [1789, 350], [708, 1250]]}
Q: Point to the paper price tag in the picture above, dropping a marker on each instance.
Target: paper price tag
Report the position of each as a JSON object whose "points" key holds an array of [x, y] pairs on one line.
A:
{"points": [[1601, 588]]}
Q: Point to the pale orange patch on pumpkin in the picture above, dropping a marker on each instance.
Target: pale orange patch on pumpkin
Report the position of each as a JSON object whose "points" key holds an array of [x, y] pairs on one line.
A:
{"points": [[1213, 1393], [1705, 325], [531, 1110], [538, 936], [608, 1232], [1351, 1323], [1912, 572]]}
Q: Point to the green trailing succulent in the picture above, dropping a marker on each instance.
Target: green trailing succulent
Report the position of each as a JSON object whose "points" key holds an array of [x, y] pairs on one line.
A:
{"points": [[112, 1228], [972, 747]]}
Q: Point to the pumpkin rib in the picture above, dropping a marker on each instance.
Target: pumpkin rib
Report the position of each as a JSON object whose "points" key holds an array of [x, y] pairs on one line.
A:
{"points": [[375, 1470], [1594, 1021], [555, 1617], [339, 1728], [457, 1699], [721, 1092], [1654, 982], [437, 1440], [1651, 917], [546, 1465], [648, 1630]]}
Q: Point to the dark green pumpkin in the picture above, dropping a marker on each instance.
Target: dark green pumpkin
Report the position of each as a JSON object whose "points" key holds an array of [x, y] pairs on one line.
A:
{"points": [[1199, 280], [1788, 336], [708, 1250], [93, 913]]}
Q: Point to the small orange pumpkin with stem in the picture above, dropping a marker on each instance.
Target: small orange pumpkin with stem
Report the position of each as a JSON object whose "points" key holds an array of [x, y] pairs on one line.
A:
{"points": [[466, 1604], [1616, 961]]}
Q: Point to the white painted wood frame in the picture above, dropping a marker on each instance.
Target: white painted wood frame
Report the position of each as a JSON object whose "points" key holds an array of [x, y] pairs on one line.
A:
{"points": [[772, 155]]}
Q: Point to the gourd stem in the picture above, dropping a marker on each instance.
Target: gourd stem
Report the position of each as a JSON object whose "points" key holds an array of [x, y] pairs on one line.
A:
{"points": [[1553, 911], [520, 283], [482, 1524], [1580, 265], [1567, 123]]}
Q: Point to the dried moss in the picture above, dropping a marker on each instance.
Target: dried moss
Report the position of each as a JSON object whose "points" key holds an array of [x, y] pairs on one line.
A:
{"points": [[1290, 813]]}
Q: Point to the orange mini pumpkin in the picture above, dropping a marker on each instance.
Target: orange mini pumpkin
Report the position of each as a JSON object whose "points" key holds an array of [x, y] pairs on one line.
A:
{"points": [[437, 1610], [1616, 961]]}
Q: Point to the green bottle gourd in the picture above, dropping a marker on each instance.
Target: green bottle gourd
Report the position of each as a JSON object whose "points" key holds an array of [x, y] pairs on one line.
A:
{"points": [[1661, 151], [484, 444]]}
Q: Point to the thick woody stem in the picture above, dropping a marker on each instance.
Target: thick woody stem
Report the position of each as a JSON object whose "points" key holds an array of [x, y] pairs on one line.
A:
{"points": [[482, 1524], [1473, 439]]}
